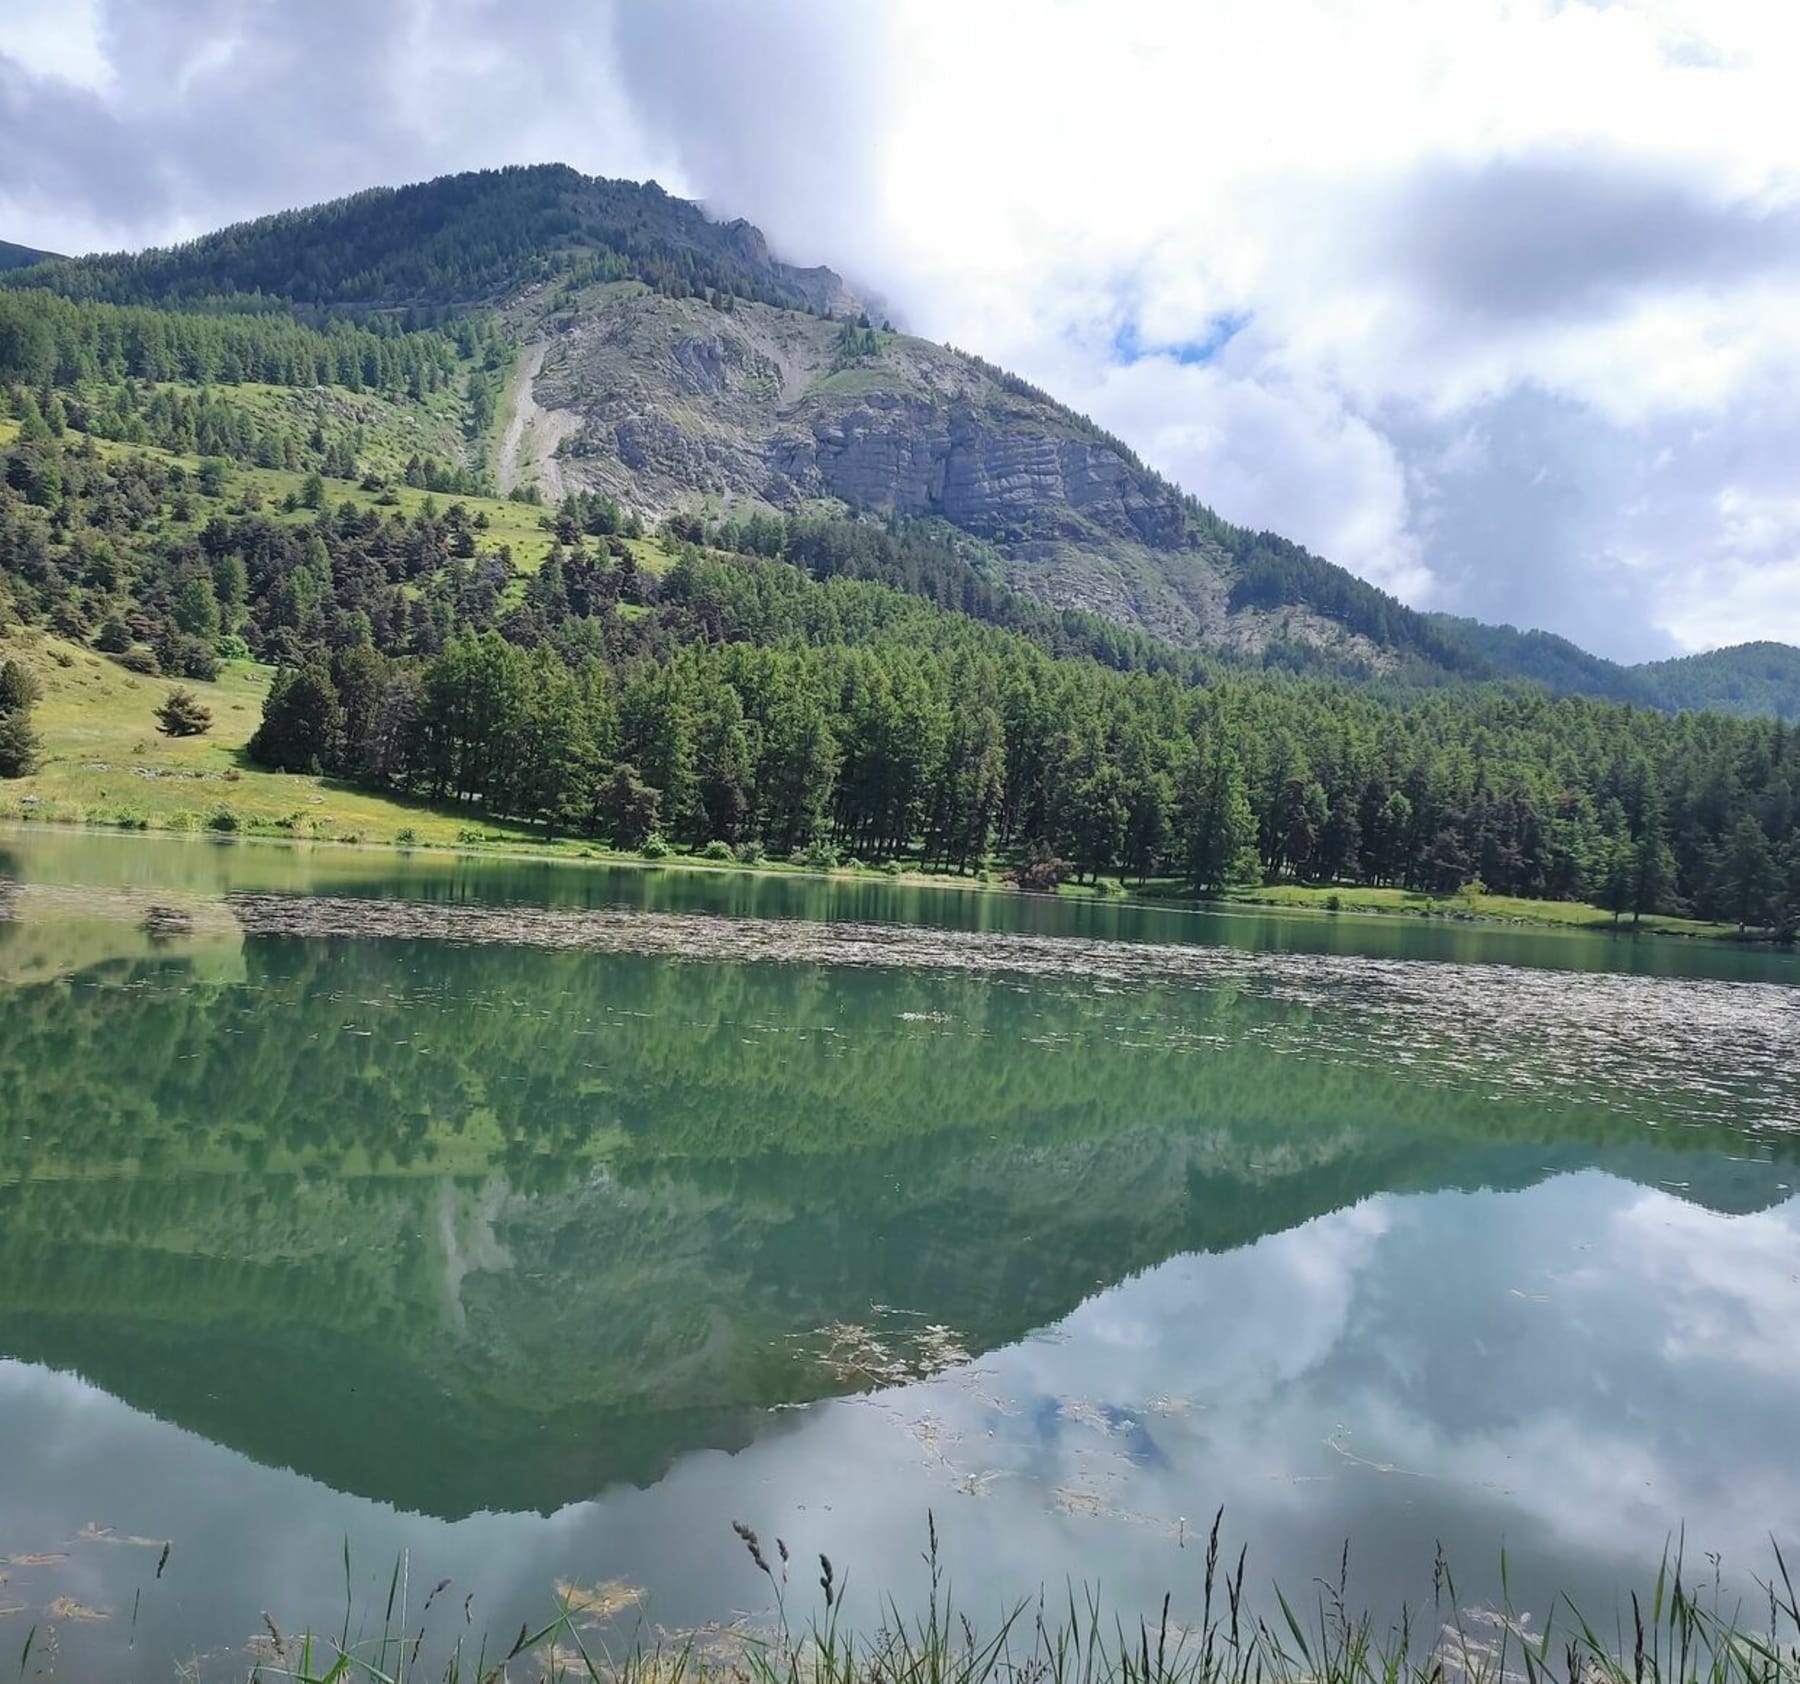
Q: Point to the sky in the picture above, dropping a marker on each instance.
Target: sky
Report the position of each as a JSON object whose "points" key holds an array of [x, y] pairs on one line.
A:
{"points": [[1495, 303]]}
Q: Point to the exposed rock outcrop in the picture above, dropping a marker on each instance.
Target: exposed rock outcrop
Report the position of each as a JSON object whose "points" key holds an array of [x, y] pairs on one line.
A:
{"points": [[670, 401]]}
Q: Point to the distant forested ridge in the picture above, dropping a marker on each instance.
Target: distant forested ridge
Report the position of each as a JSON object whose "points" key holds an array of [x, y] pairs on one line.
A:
{"points": [[1750, 679], [457, 241], [23, 257]]}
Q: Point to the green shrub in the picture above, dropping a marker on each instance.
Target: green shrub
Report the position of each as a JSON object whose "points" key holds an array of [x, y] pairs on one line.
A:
{"points": [[820, 856], [223, 820], [892, 868], [188, 657], [749, 853], [407, 836], [654, 848], [716, 850]]}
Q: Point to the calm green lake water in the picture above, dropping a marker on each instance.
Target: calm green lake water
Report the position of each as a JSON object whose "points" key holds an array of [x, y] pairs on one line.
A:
{"points": [[540, 1222]]}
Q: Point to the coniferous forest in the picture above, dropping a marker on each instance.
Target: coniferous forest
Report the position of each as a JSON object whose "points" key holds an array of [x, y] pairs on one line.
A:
{"points": [[824, 689]]}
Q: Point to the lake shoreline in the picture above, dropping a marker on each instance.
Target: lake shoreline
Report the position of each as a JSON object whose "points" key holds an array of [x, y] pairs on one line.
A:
{"points": [[1307, 902], [106, 768]]}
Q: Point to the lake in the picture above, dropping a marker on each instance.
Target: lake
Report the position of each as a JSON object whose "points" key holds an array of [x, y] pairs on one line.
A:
{"points": [[531, 1224]]}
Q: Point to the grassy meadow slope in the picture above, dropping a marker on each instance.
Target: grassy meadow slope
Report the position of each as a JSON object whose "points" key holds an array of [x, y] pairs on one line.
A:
{"points": [[277, 492], [105, 761]]}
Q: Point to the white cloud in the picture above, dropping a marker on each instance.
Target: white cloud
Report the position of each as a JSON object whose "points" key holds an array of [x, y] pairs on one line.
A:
{"points": [[58, 38], [1568, 230], [1624, 176]]}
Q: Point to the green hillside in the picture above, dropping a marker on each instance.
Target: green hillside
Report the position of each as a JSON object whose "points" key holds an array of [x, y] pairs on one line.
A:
{"points": [[1750, 680], [23, 257], [457, 241]]}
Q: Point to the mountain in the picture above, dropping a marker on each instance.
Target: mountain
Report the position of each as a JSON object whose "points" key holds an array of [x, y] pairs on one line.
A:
{"points": [[1750, 680], [23, 257], [675, 364], [457, 241]]}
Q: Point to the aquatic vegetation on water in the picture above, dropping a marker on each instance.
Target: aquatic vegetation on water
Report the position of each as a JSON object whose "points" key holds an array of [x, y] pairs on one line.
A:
{"points": [[862, 1356], [1672, 1049]]}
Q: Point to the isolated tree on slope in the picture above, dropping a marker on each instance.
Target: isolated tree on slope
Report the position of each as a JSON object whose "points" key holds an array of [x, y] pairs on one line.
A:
{"points": [[183, 714]]}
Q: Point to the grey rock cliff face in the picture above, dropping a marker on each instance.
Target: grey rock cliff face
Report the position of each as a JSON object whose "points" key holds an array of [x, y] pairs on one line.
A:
{"points": [[993, 476], [667, 401], [676, 398]]}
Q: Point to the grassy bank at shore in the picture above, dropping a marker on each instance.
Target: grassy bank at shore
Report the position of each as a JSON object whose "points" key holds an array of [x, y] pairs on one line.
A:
{"points": [[106, 764], [1513, 909]]}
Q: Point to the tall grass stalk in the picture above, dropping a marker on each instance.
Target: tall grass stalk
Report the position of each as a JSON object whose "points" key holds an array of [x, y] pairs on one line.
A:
{"points": [[1679, 1635]]}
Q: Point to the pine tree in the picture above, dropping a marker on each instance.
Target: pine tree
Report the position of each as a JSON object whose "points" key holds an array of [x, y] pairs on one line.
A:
{"points": [[301, 721], [1652, 859], [1216, 821], [183, 714], [1747, 875], [21, 748]]}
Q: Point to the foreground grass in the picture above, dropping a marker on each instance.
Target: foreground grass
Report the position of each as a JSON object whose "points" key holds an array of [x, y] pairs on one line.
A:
{"points": [[1674, 1634]]}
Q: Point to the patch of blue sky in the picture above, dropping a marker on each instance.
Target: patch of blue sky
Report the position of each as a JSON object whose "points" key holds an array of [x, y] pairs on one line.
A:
{"points": [[1130, 346]]}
